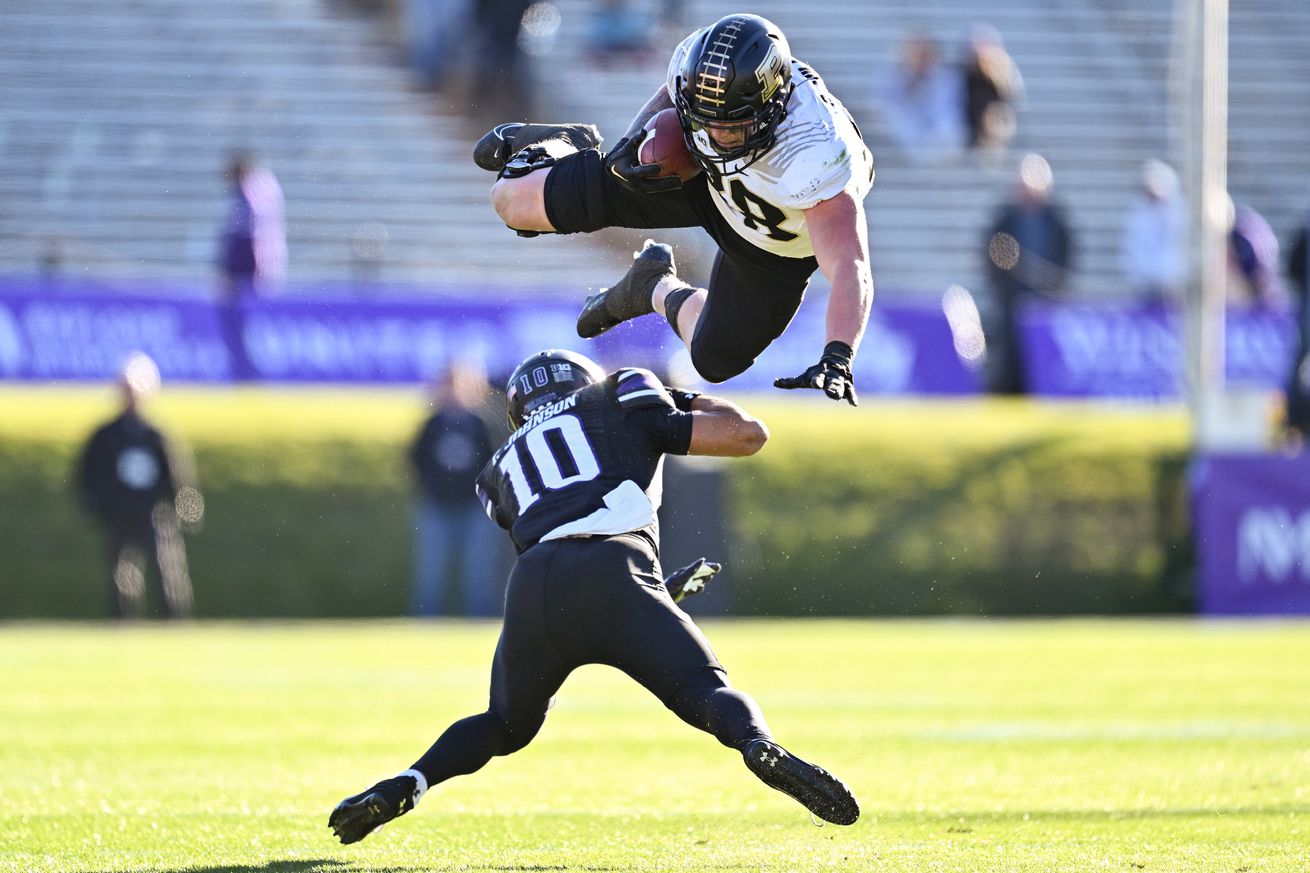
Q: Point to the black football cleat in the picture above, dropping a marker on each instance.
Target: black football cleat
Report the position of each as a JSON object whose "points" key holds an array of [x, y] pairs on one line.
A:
{"points": [[500, 144], [815, 788], [358, 816], [630, 297]]}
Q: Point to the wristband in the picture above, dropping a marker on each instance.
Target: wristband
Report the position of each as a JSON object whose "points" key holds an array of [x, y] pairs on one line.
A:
{"points": [[838, 352], [682, 399]]}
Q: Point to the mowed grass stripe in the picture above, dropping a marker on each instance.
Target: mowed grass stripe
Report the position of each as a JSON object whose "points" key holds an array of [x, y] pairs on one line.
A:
{"points": [[1056, 745]]}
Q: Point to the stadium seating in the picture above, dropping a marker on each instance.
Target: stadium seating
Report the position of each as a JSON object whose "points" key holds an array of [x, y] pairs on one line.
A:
{"points": [[115, 120], [1097, 80]]}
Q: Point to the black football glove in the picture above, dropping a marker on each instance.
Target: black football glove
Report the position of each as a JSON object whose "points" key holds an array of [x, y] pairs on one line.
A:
{"points": [[832, 375], [624, 163], [691, 579]]}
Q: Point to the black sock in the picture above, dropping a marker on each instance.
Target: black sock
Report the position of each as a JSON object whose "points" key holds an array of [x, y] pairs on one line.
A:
{"points": [[673, 305]]}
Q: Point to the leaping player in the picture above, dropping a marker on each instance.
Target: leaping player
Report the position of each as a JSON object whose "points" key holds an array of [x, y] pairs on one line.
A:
{"points": [[785, 176]]}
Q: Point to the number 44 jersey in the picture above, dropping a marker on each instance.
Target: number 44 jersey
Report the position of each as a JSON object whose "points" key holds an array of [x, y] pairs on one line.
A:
{"points": [[588, 464]]}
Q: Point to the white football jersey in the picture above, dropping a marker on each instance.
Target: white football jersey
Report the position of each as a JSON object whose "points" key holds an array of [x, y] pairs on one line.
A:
{"points": [[817, 155]]}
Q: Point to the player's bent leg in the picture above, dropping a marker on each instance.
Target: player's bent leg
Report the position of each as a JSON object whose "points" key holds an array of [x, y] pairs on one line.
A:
{"points": [[467, 745], [750, 300], [504, 143], [707, 702], [521, 202], [632, 295], [813, 787], [681, 305], [716, 363]]}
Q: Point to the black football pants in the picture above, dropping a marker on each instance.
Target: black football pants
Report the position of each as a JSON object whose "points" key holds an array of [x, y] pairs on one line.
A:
{"points": [[598, 600], [753, 294]]}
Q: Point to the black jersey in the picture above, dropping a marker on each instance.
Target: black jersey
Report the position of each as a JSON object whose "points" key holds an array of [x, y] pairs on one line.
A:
{"points": [[125, 470], [588, 464]]}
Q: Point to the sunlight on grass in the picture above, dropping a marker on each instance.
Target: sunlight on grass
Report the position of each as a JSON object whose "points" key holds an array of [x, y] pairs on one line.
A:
{"points": [[1058, 745]]}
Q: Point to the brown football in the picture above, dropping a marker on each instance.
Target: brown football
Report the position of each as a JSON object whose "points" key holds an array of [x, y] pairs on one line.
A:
{"points": [[665, 146]]}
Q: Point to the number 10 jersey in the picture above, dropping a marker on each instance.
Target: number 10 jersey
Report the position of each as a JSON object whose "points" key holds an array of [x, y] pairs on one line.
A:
{"points": [[588, 464]]}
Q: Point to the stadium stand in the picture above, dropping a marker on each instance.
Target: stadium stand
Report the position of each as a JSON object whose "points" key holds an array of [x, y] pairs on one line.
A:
{"points": [[1097, 79], [115, 120]]}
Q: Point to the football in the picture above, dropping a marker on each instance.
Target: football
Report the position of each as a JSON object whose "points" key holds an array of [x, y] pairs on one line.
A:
{"points": [[666, 147]]}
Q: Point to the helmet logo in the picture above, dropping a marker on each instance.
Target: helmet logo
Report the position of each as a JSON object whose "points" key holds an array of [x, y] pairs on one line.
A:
{"points": [[561, 372], [769, 72]]}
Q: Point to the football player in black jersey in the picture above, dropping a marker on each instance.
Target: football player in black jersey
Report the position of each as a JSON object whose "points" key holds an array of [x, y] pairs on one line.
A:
{"points": [[785, 174], [577, 486]]}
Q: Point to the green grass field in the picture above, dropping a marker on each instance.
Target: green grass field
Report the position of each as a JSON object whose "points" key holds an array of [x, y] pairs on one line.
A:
{"points": [[1051, 745]]}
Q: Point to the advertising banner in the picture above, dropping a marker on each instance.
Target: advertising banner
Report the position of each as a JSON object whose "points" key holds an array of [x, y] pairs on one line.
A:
{"points": [[1137, 352], [1252, 529], [85, 335]]}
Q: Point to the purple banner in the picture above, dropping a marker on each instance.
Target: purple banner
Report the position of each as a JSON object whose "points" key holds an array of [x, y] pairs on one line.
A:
{"points": [[85, 335], [1136, 352], [1252, 528]]}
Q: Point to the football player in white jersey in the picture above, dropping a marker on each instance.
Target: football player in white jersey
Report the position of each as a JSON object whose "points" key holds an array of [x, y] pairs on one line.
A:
{"points": [[782, 193]]}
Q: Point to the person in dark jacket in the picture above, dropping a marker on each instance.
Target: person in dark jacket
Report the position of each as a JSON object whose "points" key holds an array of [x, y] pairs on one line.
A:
{"points": [[129, 480], [1029, 250], [1298, 384], [450, 531]]}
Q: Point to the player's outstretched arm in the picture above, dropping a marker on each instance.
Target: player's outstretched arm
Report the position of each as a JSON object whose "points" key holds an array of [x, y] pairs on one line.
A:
{"points": [[841, 246], [722, 428]]}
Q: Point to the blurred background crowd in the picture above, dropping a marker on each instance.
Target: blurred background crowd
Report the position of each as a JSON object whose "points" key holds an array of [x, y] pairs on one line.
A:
{"points": [[1036, 152]]}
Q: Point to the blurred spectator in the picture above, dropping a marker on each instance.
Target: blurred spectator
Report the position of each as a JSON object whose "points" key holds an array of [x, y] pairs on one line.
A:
{"points": [[1153, 245], [502, 85], [1298, 387], [1253, 281], [619, 32], [138, 490], [672, 15], [1029, 252], [921, 99], [451, 530], [992, 88], [436, 31], [253, 244]]}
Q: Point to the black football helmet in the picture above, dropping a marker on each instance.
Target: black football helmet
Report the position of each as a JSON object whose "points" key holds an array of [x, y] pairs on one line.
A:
{"points": [[544, 378], [735, 81]]}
